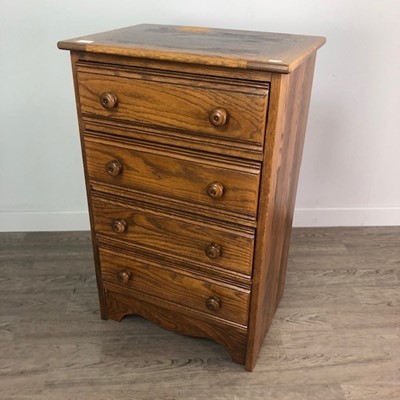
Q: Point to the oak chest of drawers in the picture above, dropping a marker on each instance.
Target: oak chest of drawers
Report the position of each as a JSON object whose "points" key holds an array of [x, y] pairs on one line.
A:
{"points": [[192, 141]]}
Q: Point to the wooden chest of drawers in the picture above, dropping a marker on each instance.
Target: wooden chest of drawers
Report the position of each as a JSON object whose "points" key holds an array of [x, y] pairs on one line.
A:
{"points": [[192, 141]]}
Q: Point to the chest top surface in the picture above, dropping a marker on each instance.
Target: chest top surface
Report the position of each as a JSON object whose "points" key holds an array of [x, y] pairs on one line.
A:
{"points": [[275, 52]]}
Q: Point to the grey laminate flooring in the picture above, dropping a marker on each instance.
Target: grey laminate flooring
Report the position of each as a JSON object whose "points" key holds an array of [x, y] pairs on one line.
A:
{"points": [[336, 334]]}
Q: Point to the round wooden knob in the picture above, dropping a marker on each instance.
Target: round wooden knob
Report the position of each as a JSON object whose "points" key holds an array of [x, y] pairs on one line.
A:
{"points": [[108, 100], [119, 225], [114, 167], [124, 276], [218, 117], [215, 190], [213, 250], [213, 303]]}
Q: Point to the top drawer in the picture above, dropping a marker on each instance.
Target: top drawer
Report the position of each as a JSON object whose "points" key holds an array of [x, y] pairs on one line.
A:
{"points": [[204, 106]]}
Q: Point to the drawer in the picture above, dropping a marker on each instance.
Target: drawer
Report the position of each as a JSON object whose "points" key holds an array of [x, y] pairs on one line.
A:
{"points": [[215, 183], [175, 235], [206, 108], [211, 297]]}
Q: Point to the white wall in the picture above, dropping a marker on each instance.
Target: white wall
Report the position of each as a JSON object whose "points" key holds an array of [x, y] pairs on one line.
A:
{"points": [[350, 172]]}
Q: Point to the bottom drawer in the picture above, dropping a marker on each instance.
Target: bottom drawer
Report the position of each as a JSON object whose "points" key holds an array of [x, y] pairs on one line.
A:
{"points": [[126, 274]]}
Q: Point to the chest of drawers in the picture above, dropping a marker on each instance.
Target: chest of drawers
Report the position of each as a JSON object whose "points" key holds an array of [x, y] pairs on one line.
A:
{"points": [[192, 141]]}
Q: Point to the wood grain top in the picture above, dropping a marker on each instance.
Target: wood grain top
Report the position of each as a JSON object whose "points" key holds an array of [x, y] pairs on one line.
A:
{"points": [[264, 51]]}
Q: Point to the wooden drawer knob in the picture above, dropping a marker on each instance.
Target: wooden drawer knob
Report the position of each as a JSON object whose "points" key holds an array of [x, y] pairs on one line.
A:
{"points": [[114, 167], [108, 100], [119, 225], [215, 190], [124, 276], [213, 303], [213, 250], [218, 117]]}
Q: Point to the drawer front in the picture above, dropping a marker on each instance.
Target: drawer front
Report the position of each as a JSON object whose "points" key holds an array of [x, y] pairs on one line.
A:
{"points": [[216, 184], [132, 274], [227, 112], [168, 234]]}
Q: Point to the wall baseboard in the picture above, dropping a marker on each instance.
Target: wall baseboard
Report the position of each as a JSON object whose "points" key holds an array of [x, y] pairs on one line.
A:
{"points": [[41, 221], [31, 221], [368, 216]]}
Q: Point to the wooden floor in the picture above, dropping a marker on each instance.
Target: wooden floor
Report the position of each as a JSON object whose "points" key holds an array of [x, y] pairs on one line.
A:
{"points": [[336, 334]]}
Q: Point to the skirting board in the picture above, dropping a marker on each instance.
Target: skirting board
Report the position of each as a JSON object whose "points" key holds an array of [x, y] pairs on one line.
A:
{"points": [[32, 221], [368, 216], [41, 221]]}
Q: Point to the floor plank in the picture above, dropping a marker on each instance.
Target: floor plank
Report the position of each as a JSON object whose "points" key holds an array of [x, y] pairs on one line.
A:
{"points": [[336, 334]]}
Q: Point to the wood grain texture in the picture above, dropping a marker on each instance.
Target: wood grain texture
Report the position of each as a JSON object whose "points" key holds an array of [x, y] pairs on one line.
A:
{"points": [[100, 289], [232, 338], [175, 103], [195, 70], [175, 175], [219, 146], [207, 46], [53, 344], [174, 235], [174, 225], [167, 283], [287, 119]]}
